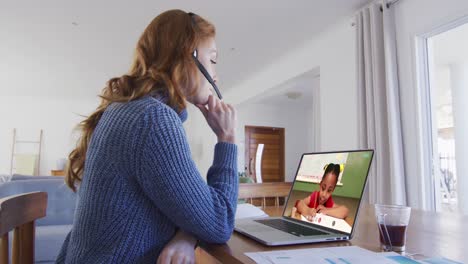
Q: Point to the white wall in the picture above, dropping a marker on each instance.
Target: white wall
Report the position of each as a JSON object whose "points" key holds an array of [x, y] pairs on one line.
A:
{"points": [[414, 18], [42, 53], [51, 71], [295, 122], [334, 52], [55, 115]]}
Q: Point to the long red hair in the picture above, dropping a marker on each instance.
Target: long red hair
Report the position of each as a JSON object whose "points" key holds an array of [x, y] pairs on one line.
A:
{"points": [[162, 65]]}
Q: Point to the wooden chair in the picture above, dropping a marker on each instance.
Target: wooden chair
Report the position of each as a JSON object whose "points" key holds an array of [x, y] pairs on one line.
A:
{"points": [[19, 213], [264, 190]]}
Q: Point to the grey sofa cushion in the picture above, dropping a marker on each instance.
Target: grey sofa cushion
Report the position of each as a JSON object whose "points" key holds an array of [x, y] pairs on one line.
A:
{"points": [[61, 201], [20, 177], [49, 241]]}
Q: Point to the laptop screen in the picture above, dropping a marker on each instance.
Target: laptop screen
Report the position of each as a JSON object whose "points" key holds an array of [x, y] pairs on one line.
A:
{"points": [[328, 188]]}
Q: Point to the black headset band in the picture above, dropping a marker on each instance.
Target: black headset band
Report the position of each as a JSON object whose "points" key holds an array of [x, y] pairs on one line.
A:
{"points": [[192, 16]]}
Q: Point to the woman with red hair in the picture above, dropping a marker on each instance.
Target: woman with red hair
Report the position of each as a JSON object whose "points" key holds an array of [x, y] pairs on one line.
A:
{"points": [[140, 196]]}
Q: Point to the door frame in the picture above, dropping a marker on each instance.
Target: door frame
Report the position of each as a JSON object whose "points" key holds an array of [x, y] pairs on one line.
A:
{"points": [[428, 131], [282, 153]]}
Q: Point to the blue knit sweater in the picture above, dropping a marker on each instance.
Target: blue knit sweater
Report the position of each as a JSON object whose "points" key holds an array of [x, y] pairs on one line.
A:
{"points": [[140, 185]]}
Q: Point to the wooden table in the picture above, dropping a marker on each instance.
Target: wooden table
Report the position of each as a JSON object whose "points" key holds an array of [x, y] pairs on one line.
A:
{"points": [[429, 234]]}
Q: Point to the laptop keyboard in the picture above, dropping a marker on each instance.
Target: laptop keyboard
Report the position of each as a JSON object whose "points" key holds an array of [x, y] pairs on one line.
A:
{"points": [[291, 228]]}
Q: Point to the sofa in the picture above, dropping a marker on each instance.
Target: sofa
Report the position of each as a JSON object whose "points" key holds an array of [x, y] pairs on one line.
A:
{"points": [[61, 202]]}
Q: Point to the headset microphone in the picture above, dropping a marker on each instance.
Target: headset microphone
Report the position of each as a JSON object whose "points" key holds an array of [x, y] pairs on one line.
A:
{"points": [[206, 74]]}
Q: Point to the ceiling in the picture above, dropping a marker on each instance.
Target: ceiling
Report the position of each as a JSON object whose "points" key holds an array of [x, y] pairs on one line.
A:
{"points": [[64, 47], [295, 92]]}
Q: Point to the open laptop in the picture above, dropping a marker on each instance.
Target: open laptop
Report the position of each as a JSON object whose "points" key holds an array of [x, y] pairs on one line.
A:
{"points": [[293, 227]]}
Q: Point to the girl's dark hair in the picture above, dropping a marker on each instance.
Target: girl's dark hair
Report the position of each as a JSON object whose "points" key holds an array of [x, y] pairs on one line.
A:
{"points": [[333, 169]]}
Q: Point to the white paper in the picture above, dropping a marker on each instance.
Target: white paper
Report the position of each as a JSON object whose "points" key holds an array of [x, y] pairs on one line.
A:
{"points": [[348, 254], [247, 210], [330, 222]]}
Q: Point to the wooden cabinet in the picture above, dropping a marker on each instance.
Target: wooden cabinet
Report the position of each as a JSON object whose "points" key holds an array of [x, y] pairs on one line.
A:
{"points": [[57, 172]]}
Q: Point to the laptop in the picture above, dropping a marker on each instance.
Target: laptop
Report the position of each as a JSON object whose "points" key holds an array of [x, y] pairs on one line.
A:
{"points": [[296, 227]]}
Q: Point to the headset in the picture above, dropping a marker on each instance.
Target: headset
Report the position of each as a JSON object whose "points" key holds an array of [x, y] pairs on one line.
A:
{"points": [[200, 66]]}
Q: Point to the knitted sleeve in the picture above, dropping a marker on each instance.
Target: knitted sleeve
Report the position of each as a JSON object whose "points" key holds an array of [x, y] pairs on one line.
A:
{"points": [[169, 177]]}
